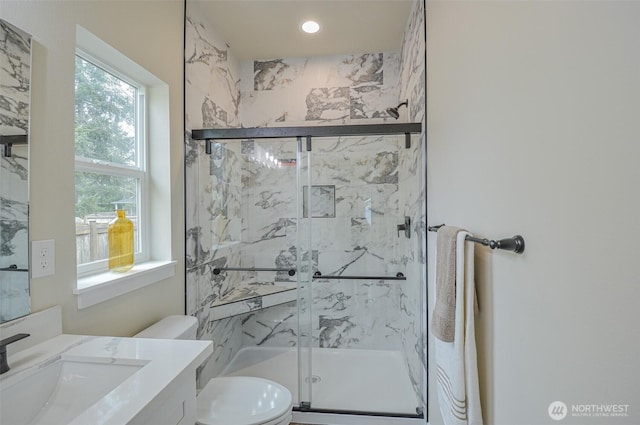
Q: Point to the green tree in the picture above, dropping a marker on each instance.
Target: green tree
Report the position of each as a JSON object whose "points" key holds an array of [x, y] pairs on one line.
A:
{"points": [[105, 118]]}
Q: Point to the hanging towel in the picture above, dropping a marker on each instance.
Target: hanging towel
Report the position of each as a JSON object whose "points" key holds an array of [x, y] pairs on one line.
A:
{"points": [[456, 362], [443, 318]]}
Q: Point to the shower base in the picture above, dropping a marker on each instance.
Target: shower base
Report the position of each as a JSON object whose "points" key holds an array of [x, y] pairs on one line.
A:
{"points": [[344, 380]]}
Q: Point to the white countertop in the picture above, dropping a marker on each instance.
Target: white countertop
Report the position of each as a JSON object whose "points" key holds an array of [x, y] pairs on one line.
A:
{"points": [[165, 360]]}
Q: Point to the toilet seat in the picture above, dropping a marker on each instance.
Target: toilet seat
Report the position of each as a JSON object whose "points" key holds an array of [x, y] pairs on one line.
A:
{"points": [[241, 400]]}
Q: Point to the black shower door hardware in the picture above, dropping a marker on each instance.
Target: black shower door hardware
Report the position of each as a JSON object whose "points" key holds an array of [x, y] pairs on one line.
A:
{"points": [[13, 268], [405, 227], [217, 270], [9, 141], [213, 134], [398, 276]]}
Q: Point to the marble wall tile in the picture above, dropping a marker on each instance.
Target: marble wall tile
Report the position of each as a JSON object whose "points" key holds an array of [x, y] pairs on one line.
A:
{"points": [[271, 74], [15, 75], [276, 326], [355, 242], [334, 89], [363, 69], [14, 295], [270, 202], [347, 314], [226, 335], [14, 215], [211, 74], [214, 215], [413, 67], [213, 187], [413, 165], [328, 103]]}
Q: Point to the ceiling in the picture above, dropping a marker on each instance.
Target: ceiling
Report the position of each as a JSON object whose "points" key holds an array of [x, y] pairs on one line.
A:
{"points": [[270, 29]]}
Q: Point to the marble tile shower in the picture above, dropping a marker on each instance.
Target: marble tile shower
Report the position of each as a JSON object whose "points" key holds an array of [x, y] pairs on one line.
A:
{"points": [[245, 206]]}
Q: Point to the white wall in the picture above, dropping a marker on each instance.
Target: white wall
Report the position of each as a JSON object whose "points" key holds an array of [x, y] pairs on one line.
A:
{"points": [[151, 34], [534, 128]]}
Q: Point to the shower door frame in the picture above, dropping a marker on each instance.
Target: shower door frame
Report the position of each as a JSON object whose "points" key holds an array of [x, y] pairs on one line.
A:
{"points": [[306, 133], [304, 137]]}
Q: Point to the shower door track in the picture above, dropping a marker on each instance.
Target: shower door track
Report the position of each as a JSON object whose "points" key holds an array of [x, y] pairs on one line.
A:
{"points": [[312, 131], [211, 134], [304, 409]]}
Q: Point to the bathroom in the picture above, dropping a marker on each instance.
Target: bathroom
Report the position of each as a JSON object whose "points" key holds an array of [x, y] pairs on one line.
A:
{"points": [[531, 129]]}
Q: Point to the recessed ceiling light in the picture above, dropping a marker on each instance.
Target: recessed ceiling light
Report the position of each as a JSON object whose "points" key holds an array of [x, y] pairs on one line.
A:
{"points": [[310, 27]]}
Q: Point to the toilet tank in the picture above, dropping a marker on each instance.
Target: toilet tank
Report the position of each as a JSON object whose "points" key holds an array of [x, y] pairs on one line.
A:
{"points": [[171, 327]]}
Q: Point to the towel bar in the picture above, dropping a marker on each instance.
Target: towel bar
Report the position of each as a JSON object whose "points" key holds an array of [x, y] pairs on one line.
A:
{"points": [[514, 244]]}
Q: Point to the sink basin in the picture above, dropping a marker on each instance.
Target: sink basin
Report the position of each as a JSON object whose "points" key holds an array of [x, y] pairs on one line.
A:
{"points": [[59, 391]]}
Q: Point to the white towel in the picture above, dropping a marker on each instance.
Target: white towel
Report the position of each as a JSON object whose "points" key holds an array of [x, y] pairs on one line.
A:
{"points": [[456, 362]]}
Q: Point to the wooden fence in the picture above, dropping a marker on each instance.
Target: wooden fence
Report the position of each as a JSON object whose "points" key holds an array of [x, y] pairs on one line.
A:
{"points": [[92, 241]]}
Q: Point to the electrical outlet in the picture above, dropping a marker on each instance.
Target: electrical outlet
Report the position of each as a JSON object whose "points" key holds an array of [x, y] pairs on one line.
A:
{"points": [[43, 258]]}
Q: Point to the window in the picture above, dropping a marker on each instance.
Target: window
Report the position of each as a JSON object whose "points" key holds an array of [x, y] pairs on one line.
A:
{"points": [[122, 146], [110, 159]]}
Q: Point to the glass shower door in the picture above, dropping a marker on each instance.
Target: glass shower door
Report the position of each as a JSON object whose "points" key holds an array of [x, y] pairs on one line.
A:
{"points": [[363, 331], [305, 267]]}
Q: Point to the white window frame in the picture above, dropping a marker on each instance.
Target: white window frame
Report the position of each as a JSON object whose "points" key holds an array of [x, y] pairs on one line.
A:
{"points": [[93, 289], [139, 172]]}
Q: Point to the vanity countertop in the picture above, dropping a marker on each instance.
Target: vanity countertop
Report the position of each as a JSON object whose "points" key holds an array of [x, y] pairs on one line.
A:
{"points": [[164, 361]]}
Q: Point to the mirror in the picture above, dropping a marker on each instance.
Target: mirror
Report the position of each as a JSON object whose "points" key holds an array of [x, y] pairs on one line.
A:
{"points": [[15, 83]]}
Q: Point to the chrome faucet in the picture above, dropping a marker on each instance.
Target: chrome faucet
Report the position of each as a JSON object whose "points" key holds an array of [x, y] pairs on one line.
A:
{"points": [[4, 365]]}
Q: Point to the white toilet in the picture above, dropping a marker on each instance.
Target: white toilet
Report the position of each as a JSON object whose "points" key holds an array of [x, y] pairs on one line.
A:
{"points": [[236, 400]]}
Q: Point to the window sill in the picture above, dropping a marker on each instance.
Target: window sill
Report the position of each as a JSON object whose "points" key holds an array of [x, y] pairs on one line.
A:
{"points": [[97, 288]]}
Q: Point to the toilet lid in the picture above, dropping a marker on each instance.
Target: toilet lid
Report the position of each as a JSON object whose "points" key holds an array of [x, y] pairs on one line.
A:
{"points": [[242, 400]]}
